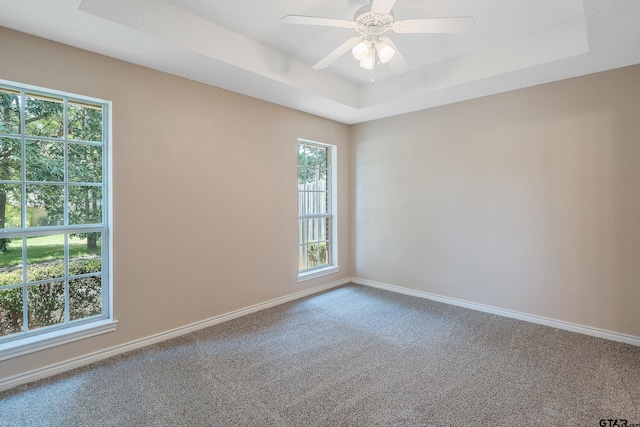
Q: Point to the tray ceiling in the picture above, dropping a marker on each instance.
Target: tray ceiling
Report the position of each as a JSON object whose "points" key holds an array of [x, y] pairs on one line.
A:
{"points": [[242, 46]]}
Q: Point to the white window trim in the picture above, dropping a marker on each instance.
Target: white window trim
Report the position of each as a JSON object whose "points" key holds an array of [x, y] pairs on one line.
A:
{"points": [[41, 341], [334, 267], [319, 272], [33, 343]]}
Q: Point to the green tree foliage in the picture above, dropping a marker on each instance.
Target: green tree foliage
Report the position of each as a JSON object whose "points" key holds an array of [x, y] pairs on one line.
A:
{"points": [[45, 155], [85, 165], [311, 161], [45, 302], [313, 257], [85, 122], [9, 112], [45, 160], [9, 156]]}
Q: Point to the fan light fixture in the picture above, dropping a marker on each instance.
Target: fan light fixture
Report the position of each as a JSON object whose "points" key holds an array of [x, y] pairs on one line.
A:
{"points": [[371, 22], [367, 51], [361, 50], [369, 61], [385, 52]]}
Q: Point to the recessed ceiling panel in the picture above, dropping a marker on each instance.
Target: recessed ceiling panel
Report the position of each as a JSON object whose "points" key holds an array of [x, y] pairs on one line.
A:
{"points": [[244, 46]]}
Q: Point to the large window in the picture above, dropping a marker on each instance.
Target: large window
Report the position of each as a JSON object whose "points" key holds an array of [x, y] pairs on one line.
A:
{"points": [[316, 218], [53, 212]]}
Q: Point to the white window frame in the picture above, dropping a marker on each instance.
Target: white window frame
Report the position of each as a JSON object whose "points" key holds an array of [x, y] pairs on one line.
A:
{"points": [[69, 331], [332, 267]]}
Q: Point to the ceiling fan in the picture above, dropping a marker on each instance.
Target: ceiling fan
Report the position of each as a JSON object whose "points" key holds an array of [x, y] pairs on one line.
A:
{"points": [[371, 22]]}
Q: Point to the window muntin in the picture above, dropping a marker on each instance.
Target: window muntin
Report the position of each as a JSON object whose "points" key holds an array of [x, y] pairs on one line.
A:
{"points": [[53, 225], [315, 206]]}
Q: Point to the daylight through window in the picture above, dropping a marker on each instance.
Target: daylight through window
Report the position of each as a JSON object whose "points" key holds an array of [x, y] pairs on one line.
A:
{"points": [[53, 224], [314, 206]]}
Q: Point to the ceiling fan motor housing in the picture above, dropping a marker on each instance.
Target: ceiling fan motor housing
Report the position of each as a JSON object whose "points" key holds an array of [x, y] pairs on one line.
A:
{"points": [[371, 24]]}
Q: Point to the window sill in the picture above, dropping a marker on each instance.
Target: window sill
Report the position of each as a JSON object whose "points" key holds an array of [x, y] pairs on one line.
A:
{"points": [[308, 275], [43, 341]]}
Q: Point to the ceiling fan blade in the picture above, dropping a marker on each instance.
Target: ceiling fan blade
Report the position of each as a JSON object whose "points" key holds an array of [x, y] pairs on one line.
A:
{"points": [[398, 65], [337, 53], [462, 24], [382, 6], [315, 20]]}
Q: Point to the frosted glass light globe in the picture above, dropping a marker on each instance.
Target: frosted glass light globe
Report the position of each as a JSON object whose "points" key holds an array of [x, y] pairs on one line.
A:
{"points": [[385, 52], [361, 50]]}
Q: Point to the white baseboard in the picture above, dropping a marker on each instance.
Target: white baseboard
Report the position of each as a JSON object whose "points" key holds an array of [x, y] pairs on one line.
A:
{"points": [[47, 371], [573, 327]]}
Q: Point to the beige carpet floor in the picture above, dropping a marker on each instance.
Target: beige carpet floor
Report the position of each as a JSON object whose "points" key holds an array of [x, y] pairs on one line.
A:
{"points": [[352, 356]]}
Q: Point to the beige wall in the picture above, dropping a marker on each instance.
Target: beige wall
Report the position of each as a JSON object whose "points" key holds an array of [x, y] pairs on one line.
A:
{"points": [[528, 200], [204, 185]]}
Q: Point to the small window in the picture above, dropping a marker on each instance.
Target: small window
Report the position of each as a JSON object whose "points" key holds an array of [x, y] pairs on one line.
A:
{"points": [[53, 216], [316, 207]]}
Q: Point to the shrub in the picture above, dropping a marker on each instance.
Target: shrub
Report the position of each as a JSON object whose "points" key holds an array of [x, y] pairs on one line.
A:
{"points": [[4, 245], [46, 301], [10, 311]]}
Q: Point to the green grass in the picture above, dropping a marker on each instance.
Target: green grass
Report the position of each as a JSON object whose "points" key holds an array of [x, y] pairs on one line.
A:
{"points": [[46, 248]]}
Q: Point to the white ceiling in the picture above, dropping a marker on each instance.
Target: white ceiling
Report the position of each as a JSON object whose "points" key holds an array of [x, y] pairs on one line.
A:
{"points": [[242, 46]]}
